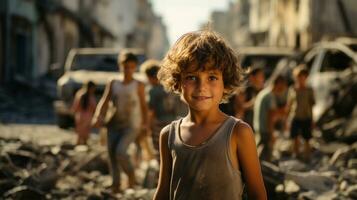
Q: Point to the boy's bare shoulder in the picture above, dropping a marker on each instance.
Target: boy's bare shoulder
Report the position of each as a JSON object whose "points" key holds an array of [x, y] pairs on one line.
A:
{"points": [[242, 130], [111, 81], [164, 137], [165, 131], [80, 93], [140, 83]]}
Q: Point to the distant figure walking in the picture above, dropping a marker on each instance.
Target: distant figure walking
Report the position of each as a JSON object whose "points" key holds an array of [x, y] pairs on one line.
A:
{"points": [[83, 107], [266, 115], [129, 118], [163, 106], [300, 102], [255, 85], [241, 104]]}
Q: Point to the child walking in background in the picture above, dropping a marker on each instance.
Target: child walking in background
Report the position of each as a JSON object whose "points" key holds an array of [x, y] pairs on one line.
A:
{"points": [[162, 105], [128, 119], [300, 102], [266, 114], [206, 154], [255, 84], [84, 105]]}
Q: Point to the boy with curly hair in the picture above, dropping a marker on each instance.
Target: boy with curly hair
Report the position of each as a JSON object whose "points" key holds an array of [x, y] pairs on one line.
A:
{"points": [[206, 154]]}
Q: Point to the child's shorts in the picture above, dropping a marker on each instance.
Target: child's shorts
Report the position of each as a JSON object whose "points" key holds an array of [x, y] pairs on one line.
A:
{"points": [[301, 127]]}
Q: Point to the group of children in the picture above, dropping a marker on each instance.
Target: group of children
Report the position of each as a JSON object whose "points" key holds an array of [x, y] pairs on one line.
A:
{"points": [[206, 154], [265, 108], [289, 107]]}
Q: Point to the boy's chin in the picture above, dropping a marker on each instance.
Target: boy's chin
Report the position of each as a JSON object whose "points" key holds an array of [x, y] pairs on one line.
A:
{"points": [[201, 108]]}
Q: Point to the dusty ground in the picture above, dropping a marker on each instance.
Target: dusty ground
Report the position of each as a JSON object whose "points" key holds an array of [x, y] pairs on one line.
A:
{"points": [[27, 117]]}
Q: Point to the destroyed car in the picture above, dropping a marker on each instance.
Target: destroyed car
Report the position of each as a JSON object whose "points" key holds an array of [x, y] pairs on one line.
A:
{"points": [[88, 64]]}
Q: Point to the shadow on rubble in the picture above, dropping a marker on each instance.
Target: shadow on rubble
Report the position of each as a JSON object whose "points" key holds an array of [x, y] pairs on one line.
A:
{"points": [[26, 105]]}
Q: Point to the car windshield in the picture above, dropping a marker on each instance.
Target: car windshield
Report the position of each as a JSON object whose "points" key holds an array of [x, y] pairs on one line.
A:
{"points": [[95, 62]]}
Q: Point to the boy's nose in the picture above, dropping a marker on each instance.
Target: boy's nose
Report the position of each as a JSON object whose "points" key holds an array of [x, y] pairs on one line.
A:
{"points": [[202, 84]]}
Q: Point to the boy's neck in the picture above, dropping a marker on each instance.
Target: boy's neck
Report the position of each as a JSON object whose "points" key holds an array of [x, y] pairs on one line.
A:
{"points": [[205, 117], [128, 79], [300, 86]]}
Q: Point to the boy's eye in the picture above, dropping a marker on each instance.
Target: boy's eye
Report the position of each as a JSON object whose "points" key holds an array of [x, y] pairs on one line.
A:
{"points": [[190, 78], [212, 78]]}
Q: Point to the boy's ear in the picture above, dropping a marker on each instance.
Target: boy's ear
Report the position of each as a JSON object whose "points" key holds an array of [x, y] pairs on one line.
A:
{"points": [[225, 91], [178, 87]]}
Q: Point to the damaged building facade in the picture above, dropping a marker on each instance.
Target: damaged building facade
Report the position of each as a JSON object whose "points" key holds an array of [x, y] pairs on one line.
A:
{"points": [[36, 35], [286, 23]]}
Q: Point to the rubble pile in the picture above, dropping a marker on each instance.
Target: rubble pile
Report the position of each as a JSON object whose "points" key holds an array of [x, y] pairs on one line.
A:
{"points": [[330, 173], [31, 171]]}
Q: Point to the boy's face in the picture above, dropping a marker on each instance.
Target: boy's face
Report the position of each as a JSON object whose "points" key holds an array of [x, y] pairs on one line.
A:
{"points": [[91, 89], [202, 90], [302, 79], [129, 68], [258, 79], [281, 87], [153, 80]]}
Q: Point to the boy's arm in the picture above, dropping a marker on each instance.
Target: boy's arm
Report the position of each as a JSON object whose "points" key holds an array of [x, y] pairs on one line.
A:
{"points": [[239, 105], [163, 187], [102, 105], [271, 119], [249, 162], [313, 101], [273, 114], [76, 102], [143, 105], [290, 100]]}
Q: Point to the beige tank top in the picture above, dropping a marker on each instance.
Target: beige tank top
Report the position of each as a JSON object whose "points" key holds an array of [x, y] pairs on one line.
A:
{"points": [[204, 171], [126, 102]]}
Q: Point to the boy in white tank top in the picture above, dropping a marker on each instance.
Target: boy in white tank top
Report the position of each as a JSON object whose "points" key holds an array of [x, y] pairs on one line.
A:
{"points": [[206, 154], [128, 119]]}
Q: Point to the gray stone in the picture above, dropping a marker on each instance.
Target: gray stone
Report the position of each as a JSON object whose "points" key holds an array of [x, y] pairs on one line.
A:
{"points": [[44, 180], [292, 165], [312, 181], [332, 147]]}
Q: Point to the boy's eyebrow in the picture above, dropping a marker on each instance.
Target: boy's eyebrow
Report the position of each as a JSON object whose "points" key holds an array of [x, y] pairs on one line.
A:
{"points": [[188, 73], [214, 72]]}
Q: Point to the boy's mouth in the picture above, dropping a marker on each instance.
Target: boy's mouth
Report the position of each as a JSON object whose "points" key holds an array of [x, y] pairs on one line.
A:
{"points": [[200, 98]]}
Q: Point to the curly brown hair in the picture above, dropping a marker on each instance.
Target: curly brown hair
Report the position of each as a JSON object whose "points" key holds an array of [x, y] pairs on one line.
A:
{"points": [[197, 49]]}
